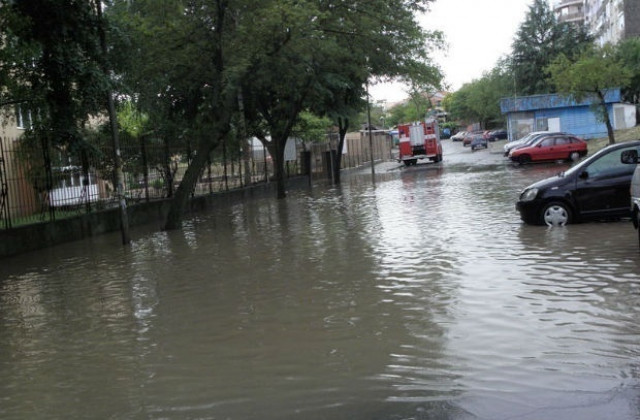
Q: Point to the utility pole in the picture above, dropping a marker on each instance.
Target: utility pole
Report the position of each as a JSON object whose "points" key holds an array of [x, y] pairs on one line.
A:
{"points": [[373, 170], [113, 119]]}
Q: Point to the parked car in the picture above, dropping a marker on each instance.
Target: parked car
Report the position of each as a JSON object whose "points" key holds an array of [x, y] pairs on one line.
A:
{"points": [[459, 136], [466, 141], [595, 188], [550, 147], [478, 142], [631, 156], [527, 139], [494, 135]]}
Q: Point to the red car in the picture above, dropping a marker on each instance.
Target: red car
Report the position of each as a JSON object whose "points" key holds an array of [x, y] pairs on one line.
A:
{"points": [[553, 147]]}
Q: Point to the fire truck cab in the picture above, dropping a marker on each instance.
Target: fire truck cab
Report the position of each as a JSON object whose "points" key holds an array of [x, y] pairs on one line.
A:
{"points": [[419, 140]]}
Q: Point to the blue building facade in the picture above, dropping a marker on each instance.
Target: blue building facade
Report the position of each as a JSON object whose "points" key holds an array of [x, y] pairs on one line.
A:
{"points": [[559, 113]]}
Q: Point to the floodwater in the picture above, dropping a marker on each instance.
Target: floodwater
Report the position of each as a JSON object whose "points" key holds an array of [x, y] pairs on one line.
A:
{"points": [[420, 297]]}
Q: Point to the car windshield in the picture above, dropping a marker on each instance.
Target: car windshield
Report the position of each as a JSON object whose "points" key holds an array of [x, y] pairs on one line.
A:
{"points": [[534, 139], [525, 138], [603, 161]]}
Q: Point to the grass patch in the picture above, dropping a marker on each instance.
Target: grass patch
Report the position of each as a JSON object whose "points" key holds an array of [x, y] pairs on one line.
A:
{"points": [[620, 137]]}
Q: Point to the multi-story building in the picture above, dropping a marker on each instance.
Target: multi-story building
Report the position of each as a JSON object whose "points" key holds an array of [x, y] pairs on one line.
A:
{"points": [[569, 11], [609, 20], [612, 21]]}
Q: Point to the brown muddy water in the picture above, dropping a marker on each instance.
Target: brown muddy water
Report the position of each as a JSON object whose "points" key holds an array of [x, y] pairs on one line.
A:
{"points": [[420, 297]]}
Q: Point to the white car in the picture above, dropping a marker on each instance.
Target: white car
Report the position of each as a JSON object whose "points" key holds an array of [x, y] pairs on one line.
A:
{"points": [[458, 136]]}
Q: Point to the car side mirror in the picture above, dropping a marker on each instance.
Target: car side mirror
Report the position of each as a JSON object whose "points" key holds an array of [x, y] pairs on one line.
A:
{"points": [[629, 157], [584, 175]]}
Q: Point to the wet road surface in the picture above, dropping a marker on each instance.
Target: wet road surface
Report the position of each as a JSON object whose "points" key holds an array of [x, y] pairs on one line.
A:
{"points": [[421, 296]]}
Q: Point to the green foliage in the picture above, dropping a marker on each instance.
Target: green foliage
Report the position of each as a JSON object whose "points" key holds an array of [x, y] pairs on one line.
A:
{"points": [[131, 120], [52, 63], [318, 55], [591, 75], [376, 40], [628, 51], [595, 71], [311, 128], [405, 112], [451, 125], [479, 101]]}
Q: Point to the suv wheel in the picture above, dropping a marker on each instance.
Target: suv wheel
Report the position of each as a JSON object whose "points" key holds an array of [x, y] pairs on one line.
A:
{"points": [[556, 214]]}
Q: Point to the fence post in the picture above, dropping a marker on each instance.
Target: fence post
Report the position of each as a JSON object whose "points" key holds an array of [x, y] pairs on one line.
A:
{"points": [[145, 168], [48, 176], [224, 163]]}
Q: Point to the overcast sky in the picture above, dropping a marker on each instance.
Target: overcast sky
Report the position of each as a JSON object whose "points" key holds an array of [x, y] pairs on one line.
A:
{"points": [[478, 33]]}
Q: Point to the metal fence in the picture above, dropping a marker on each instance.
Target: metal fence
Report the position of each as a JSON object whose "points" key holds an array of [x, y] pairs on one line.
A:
{"points": [[47, 184]]}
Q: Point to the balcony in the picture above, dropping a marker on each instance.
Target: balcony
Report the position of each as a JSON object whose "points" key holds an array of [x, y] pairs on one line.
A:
{"points": [[571, 17], [566, 3]]}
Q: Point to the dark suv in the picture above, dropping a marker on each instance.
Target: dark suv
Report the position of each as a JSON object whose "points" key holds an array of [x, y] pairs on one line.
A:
{"points": [[494, 135], [595, 188]]}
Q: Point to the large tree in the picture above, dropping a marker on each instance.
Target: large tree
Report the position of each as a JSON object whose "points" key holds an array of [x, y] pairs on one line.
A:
{"points": [[51, 63], [396, 48], [189, 62], [591, 76], [538, 41], [320, 55]]}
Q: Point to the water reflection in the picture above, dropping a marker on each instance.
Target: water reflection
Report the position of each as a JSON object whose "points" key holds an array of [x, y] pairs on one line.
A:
{"points": [[420, 297]]}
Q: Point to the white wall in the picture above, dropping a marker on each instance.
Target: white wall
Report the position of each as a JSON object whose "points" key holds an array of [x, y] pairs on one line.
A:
{"points": [[624, 116]]}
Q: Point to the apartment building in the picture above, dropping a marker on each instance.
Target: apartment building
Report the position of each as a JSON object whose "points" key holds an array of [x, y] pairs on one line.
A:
{"points": [[571, 11], [609, 20], [612, 21]]}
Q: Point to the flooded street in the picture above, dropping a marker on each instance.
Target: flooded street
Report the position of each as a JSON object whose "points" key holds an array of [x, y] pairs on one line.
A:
{"points": [[420, 297]]}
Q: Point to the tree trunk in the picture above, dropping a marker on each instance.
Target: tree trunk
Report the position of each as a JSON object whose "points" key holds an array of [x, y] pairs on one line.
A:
{"points": [[343, 126], [188, 183], [246, 147], [276, 149], [606, 119]]}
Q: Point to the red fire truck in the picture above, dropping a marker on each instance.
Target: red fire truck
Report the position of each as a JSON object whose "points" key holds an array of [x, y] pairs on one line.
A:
{"points": [[419, 140]]}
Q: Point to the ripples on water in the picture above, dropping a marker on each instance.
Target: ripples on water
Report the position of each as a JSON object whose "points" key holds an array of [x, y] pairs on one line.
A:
{"points": [[421, 297]]}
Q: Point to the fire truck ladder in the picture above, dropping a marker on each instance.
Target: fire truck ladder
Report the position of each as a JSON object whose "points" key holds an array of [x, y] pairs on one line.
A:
{"points": [[4, 190]]}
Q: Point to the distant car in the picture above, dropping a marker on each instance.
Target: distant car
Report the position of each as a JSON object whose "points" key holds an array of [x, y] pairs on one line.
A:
{"points": [[596, 188], [478, 142], [527, 139], [550, 147], [458, 136], [466, 141], [494, 135]]}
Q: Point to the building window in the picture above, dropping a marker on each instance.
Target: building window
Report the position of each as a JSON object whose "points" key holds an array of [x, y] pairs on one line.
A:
{"points": [[542, 124], [23, 118]]}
